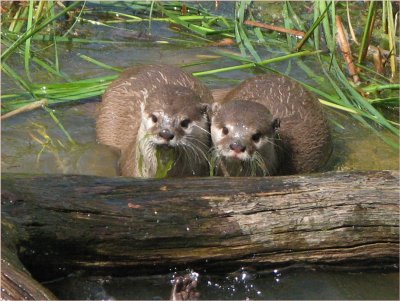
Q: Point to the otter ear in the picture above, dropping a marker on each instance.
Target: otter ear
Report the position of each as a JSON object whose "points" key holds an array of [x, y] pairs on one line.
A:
{"points": [[215, 107], [276, 123]]}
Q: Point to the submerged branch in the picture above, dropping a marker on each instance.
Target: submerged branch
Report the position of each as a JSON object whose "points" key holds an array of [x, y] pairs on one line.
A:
{"points": [[29, 107], [275, 28]]}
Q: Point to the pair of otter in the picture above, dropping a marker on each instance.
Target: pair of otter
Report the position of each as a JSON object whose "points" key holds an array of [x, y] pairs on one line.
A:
{"points": [[165, 123]]}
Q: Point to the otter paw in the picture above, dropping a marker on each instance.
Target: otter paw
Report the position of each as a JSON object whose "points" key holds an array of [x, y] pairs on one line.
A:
{"points": [[185, 288]]}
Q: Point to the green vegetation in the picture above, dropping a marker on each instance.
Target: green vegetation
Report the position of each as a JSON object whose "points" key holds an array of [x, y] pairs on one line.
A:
{"points": [[27, 26]]}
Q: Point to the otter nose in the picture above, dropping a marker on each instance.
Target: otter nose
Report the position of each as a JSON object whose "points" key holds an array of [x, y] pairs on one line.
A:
{"points": [[166, 134], [237, 147]]}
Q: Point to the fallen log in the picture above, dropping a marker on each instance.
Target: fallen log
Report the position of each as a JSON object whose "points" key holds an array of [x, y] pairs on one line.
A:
{"points": [[140, 226], [16, 281]]}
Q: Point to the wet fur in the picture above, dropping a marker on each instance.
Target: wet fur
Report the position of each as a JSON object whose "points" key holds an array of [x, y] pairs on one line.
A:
{"points": [[122, 120], [243, 120], [304, 143]]}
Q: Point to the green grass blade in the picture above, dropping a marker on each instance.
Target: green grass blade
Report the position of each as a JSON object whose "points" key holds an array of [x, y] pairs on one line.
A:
{"points": [[76, 20], [151, 15], [326, 25], [29, 33], [49, 69], [59, 124], [313, 28], [392, 38], [367, 31], [255, 64], [27, 52], [288, 24], [11, 73], [98, 63]]}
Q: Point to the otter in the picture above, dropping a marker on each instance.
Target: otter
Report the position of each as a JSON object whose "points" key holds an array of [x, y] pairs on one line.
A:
{"points": [[243, 134], [269, 125], [156, 115]]}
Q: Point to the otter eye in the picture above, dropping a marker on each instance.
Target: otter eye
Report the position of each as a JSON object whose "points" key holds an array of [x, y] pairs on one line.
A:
{"points": [[154, 118], [256, 137], [185, 123], [225, 130]]}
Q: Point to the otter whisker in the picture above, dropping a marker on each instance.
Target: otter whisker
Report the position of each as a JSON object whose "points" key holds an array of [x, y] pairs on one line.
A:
{"points": [[197, 151], [183, 153], [273, 142], [193, 153], [202, 129], [260, 163], [199, 146], [197, 140], [202, 147]]}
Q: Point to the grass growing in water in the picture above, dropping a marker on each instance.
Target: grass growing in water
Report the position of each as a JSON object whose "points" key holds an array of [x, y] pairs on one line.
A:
{"points": [[26, 26]]}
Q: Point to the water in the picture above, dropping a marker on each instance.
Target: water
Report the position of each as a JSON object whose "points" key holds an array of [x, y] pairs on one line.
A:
{"points": [[32, 142], [276, 285]]}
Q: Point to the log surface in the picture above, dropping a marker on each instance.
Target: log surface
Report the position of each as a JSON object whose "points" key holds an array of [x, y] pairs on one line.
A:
{"points": [[144, 226]]}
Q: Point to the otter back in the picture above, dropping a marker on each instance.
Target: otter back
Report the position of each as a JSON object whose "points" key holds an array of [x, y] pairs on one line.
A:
{"points": [[304, 130]]}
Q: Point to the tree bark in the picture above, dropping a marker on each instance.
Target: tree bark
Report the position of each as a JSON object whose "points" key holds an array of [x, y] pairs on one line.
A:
{"points": [[16, 281], [143, 226]]}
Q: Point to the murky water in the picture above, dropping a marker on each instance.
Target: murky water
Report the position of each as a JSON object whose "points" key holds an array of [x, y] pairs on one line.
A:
{"points": [[276, 285], [33, 143]]}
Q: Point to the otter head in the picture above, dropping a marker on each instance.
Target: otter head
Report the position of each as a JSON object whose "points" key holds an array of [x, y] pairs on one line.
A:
{"points": [[174, 116], [174, 132], [243, 134]]}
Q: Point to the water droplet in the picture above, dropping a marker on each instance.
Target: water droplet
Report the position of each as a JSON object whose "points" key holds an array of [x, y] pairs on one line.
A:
{"points": [[194, 276]]}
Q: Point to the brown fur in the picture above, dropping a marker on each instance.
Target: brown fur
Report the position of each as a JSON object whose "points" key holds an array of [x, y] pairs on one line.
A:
{"points": [[142, 89], [236, 152], [304, 131]]}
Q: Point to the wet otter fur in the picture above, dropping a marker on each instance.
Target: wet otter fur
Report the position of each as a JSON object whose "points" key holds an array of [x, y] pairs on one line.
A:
{"points": [[243, 134], [156, 115], [296, 136]]}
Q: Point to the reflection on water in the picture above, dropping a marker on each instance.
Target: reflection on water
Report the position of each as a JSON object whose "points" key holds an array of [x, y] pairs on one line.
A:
{"points": [[277, 285], [33, 143]]}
